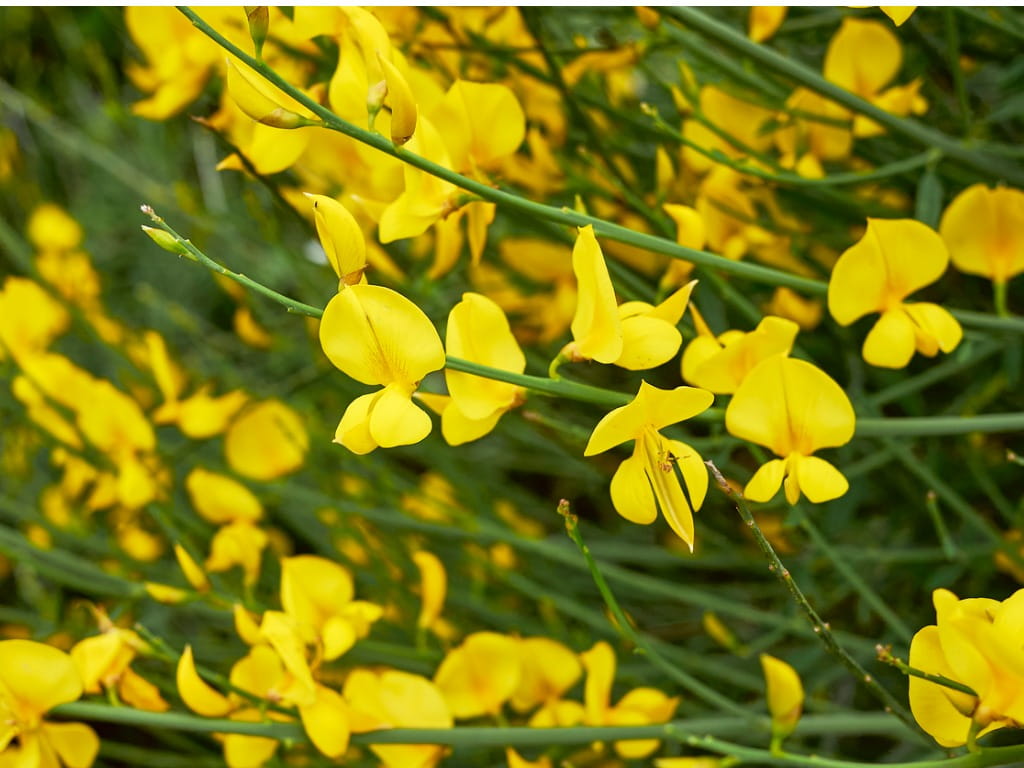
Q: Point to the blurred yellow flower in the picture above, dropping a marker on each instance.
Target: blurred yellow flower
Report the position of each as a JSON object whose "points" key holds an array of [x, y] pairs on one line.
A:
{"points": [[266, 441], [894, 258], [479, 676], [794, 409], [764, 21], [785, 697], [646, 481], [984, 231]]}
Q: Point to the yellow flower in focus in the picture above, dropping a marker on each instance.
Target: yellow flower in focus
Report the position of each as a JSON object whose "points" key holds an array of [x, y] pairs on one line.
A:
{"points": [[764, 21], [268, 440], [640, 706], [794, 409], [479, 676], [379, 337], [341, 238], [863, 57], [719, 365], [895, 258], [785, 697], [646, 481], [394, 699], [974, 642], [596, 328], [984, 231], [35, 678], [649, 334]]}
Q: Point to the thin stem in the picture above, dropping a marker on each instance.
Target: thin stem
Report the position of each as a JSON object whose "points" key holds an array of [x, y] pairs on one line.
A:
{"points": [[886, 657], [625, 628], [999, 298], [923, 426], [820, 627]]}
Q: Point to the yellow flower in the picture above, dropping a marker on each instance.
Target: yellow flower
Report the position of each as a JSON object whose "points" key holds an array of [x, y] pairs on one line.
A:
{"points": [[548, 670], [646, 481], [974, 642], [641, 706], [794, 409], [649, 334], [894, 258], [29, 318], [268, 440], [806, 143], [263, 102], [395, 699], [220, 499], [863, 57], [787, 303], [596, 328], [35, 678], [785, 697], [984, 231], [341, 238], [479, 676], [50, 228], [379, 337], [720, 365], [433, 587]]}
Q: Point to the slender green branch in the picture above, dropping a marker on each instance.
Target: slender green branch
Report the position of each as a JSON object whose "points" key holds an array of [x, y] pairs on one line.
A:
{"points": [[821, 628], [763, 56], [924, 426], [885, 656], [625, 628]]}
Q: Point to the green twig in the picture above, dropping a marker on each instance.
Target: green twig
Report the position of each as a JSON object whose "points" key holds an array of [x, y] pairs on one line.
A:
{"points": [[886, 657]]}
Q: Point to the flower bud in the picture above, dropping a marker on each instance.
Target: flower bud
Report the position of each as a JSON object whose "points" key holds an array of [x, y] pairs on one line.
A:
{"points": [[258, 17]]}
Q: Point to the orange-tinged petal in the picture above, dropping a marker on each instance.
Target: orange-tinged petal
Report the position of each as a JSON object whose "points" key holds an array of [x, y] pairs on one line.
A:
{"points": [[819, 480], [984, 231], [478, 331], [194, 691], [930, 703], [631, 492], [396, 420], [377, 336], [890, 343], [76, 743], [326, 721], [595, 326], [341, 238], [480, 675], [894, 258]]}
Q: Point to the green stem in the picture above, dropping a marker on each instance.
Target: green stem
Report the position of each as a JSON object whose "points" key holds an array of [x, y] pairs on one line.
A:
{"points": [[999, 298], [885, 656], [820, 627], [923, 426], [991, 167], [625, 628]]}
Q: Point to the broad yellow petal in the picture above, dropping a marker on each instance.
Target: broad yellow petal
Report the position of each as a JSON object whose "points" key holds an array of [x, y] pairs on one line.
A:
{"points": [[890, 343], [549, 670], [931, 703], [396, 420], [862, 57], [819, 480], [631, 492], [242, 751], [326, 722], [313, 588], [690, 232], [76, 743], [599, 664], [898, 13], [37, 676], [766, 481], [353, 430], [785, 694], [478, 331], [220, 499], [268, 440], [479, 676], [937, 324], [433, 587], [647, 342], [764, 20], [458, 429], [984, 231]]}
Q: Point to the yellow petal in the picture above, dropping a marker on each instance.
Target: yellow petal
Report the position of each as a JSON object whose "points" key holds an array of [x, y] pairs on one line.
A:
{"points": [[194, 575], [862, 57], [631, 492], [764, 20], [481, 122], [76, 743], [479, 676], [341, 238], [652, 406], [403, 105], [197, 695], [724, 371], [326, 722], [433, 587], [936, 324], [37, 677], [671, 310], [458, 428], [220, 499], [396, 420], [377, 336], [595, 326], [286, 637], [697, 352], [267, 441], [894, 258], [930, 703], [790, 406], [261, 101], [693, 470], [314, 588], [766, 481], [690, 231], [890, 343], [245, 626], [898, 13], [549, 670], [599, 664], [478, 331], [353, 430], [647, 342], [984, 231], [673, 504], [338, 637], [819, 480], [785, 694], [242, 751]]}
